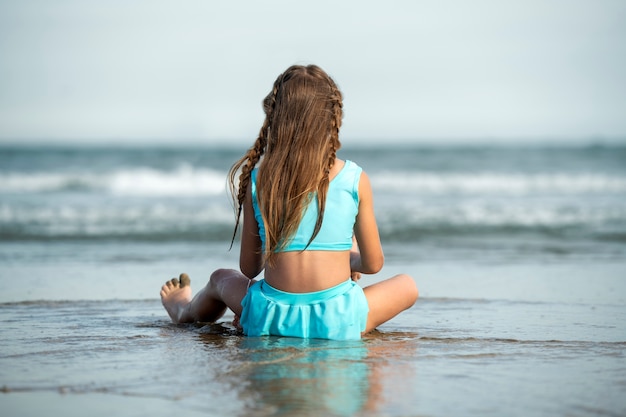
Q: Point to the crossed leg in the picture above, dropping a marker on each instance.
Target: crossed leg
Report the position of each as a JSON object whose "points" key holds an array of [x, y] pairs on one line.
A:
{"points": [[387, 299], [225, 289]]}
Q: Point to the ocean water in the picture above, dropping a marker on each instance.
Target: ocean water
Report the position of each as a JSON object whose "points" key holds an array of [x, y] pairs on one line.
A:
{"points": [[519, 253], [446, 201]]}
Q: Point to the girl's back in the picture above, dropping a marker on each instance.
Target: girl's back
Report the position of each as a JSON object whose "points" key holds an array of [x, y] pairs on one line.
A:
{"points": [[317, 268]]}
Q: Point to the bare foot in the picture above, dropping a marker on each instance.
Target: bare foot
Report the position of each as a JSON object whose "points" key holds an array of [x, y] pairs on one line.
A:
{"points": [[176, 296], [237, 323]]}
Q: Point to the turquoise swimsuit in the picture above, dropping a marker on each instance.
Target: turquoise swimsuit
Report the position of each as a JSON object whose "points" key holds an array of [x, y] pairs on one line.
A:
{"points": [[337, 313], [342, 206]]}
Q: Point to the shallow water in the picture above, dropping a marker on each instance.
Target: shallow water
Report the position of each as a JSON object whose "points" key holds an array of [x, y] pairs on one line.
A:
{"points": [[445, 356], [83, 331]]}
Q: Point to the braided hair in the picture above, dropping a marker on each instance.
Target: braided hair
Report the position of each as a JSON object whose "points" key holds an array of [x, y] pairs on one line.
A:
{"points": [[298, 142]]}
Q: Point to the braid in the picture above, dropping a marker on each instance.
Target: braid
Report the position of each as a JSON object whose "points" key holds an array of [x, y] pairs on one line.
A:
{"points": [[337, 110], [335, 124], [247, 163], [334, 144]]}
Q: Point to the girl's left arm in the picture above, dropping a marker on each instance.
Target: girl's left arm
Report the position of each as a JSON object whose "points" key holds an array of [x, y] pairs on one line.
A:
{"points": [[370, 258], [250, 255]]}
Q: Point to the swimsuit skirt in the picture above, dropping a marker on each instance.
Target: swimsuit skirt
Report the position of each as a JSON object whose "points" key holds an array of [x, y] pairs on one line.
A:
{"points": [[337, 313]]}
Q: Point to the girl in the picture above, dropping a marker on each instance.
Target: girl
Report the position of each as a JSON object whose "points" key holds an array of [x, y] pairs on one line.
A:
{"points": [[308, 222]]}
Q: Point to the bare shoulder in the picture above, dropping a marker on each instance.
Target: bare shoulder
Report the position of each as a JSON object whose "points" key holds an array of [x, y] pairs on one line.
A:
{"points": [[365, 186]]}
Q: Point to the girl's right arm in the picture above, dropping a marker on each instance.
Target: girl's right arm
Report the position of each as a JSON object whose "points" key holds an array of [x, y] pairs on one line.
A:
{"points": [[369, 259], [250, 254]]}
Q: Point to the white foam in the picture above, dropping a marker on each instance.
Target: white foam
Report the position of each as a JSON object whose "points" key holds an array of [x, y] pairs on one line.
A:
{"points": [[514, 184], [42, 181], [51, 220], [183, 181], [481, 214], [96, 220], [187, 180]]}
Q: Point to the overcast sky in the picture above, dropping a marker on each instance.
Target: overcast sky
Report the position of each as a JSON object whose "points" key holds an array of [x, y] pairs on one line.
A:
{"points": [[168, 71]]}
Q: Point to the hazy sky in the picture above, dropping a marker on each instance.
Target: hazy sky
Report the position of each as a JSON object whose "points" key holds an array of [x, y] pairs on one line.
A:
{"points": [[171, 71]]}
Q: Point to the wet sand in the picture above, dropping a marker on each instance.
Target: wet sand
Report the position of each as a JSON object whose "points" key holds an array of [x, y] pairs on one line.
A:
{"points": [[484, 340]]}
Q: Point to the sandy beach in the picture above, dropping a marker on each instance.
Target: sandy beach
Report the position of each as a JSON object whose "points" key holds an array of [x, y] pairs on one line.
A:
{"points": [[508, 347]]}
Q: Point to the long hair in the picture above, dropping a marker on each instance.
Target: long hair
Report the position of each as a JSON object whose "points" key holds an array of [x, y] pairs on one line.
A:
{"points": [[298, 143]]}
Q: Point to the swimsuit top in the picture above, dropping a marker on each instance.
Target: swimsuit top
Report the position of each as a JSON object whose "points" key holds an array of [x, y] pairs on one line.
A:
{"points": [[342, 206]]}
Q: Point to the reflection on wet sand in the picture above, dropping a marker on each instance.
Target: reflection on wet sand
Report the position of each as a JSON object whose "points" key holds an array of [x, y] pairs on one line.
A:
{"points": [[289, 376]]}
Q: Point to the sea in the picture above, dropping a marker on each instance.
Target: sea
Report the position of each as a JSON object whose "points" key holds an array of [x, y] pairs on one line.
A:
{"points": [[519, 252]]}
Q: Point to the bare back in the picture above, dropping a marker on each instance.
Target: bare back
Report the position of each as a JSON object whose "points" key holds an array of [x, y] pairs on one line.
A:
{"points": [[308, 271]]}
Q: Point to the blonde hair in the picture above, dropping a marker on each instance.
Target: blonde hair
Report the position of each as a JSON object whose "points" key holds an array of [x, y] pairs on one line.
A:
{"points": [[298, 142]]}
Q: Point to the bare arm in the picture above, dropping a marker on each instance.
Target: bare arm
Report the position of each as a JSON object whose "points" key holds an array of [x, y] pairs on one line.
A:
{"points": [[250, 255], [367, 257]]}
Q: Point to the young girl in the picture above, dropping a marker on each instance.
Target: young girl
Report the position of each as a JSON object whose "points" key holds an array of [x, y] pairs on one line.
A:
{"points": [[308, 223]]}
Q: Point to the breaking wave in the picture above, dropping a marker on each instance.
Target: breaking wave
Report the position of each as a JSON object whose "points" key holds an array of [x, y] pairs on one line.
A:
{"points": [[183, 181]]}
